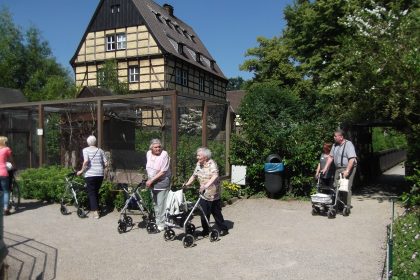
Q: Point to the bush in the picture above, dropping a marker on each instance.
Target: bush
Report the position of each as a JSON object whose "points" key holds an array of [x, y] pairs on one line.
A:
{"points": [[48, 184], [412, 199], [406, 252], [276, 121]]}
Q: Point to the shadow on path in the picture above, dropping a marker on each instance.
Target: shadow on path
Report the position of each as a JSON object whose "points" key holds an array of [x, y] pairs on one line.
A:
{"points": [[29, 259], [390, 184]]}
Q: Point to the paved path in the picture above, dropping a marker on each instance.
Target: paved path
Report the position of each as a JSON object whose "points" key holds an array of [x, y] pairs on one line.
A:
{"points": [[269, 239]]}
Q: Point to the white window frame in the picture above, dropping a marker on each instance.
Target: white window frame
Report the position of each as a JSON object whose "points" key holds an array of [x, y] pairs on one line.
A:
{"points": [[133, 74], [181, 76], [121, 41], [110, 43], [201, 80]]}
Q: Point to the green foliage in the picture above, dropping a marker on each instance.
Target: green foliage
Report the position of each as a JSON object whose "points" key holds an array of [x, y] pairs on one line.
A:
{"points": [[27, 63], [143, 138], [387, 138], [48, 184], [235, 83], [108, 78], [276, 122], [406, 264], [230, 190], [412, 199]]}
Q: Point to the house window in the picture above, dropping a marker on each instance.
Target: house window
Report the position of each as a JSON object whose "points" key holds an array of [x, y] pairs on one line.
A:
{"points": [[133, 74], [110, 43], [114, 42], [115, 9], [181, 48], [181, 76], [121, 41], [201, 83], [211, 86]]}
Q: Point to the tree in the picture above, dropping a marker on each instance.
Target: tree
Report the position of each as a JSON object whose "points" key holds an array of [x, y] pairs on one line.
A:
{"points": [[348, 61], [109, 78], [235, 83], [26, 63]]}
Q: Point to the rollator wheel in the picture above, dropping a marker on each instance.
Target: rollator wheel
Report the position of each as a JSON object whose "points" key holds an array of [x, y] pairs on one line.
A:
{"points": [[190, 228], [188, 240], [214, 235], [81, 213], [331, 214], [346, 211], [128, 220], [122, 227], [151, 228], [63, 210], [169, 234], [314, 211]]}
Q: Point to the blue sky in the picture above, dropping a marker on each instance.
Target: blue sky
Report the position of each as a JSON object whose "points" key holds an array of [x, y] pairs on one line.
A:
{"points": [[227, 27]]}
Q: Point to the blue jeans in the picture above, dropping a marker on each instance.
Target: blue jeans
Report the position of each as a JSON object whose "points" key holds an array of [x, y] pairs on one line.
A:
{"points": [[4, 184]]}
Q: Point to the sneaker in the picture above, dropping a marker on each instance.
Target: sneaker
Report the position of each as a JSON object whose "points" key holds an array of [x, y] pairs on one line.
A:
{"points": [[96, 215], [204, 233], [6, 212], [161, 228]]}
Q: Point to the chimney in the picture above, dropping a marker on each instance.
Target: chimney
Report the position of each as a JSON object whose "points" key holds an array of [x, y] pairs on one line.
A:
{"points": [[169, 9]]}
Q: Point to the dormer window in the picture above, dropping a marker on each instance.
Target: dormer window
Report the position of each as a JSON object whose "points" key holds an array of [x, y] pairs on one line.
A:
{"points": [[158, 17], [212, 63], [198, 57], [115, 9], [181, 48], [169, 24]]}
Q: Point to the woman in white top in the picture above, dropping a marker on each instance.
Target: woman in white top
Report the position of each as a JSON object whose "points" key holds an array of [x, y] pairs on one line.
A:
{"points": [[94, 162], [159, 178]]}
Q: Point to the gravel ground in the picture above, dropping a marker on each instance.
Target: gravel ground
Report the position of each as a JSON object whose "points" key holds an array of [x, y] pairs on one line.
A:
{"points": [[269, 239]]}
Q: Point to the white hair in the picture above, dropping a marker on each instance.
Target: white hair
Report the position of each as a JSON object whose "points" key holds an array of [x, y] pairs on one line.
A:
{"points": [[91, 140], [205, 151], [154, 142]]}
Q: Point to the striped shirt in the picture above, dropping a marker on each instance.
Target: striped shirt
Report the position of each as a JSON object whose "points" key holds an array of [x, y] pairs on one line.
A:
{"points": [[97, 161]]}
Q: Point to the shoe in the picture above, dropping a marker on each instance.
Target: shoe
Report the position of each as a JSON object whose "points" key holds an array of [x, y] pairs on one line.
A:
{"points": [[204, 233], [160, 228], [96, 215], [224, 232], [6, 212]]}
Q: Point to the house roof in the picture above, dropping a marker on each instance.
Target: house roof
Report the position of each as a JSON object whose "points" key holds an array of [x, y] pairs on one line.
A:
{"points": [[235, 97], [9, 95], [93, 92], [168, 31]]}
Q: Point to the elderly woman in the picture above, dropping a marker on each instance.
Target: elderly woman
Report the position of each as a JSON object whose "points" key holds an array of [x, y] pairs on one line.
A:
{"points": [[159, 178], [325, 179], [207, 173], [94, 162], [5, 156]]}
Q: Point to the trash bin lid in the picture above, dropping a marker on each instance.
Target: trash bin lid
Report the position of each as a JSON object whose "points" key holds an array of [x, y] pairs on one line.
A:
{"points": [[273, 167], [274, 158]]}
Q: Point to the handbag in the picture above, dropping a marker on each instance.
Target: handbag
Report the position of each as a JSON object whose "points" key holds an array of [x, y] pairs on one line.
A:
{"points": [[343, 184]]}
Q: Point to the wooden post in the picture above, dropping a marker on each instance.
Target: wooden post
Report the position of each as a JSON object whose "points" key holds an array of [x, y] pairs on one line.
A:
{"points": [[228, 130], [100, 123], [204, 124], [40, 132], [174, 132]]}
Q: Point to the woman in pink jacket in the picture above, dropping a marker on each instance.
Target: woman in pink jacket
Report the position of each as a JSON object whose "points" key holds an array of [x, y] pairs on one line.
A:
{"points": [[5, 156]]}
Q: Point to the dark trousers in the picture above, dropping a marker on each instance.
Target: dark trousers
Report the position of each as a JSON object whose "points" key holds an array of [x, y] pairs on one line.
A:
{"points": [[93, 185], [214, 208]]}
